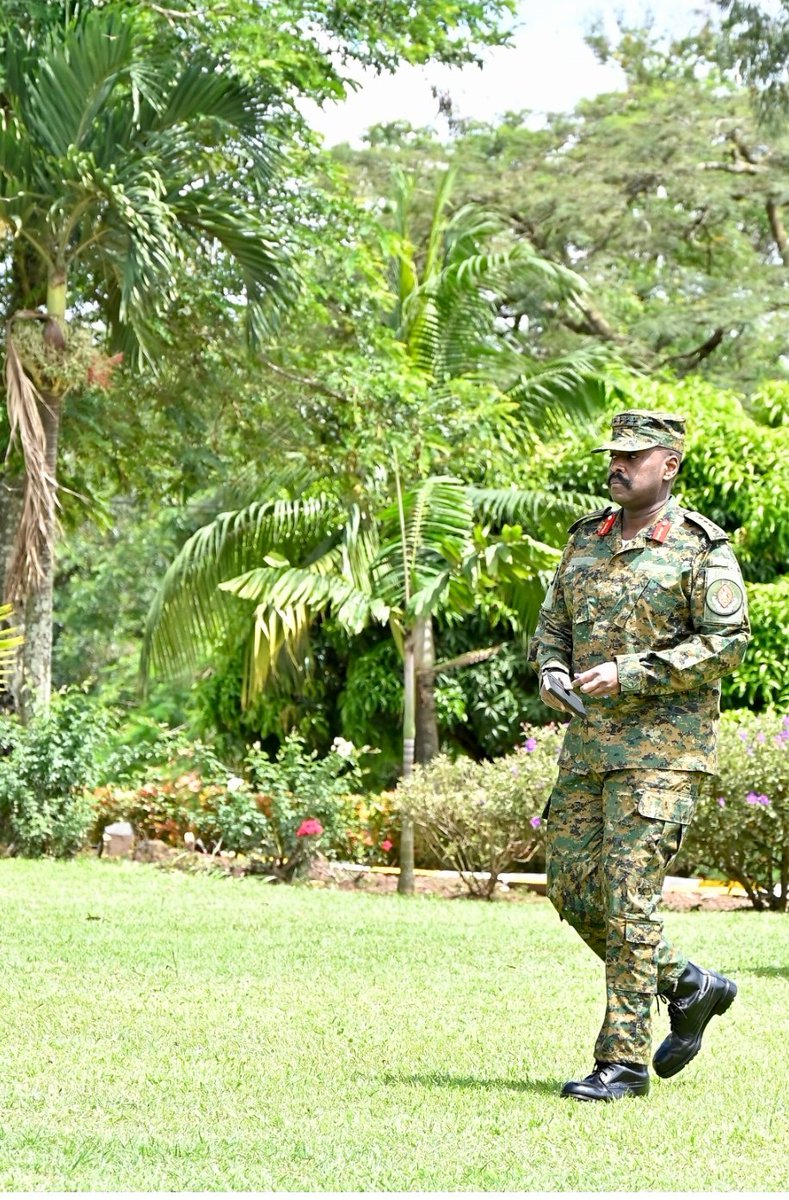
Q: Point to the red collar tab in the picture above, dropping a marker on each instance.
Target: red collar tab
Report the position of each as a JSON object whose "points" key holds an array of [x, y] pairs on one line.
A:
{"points": [[661, 530], [607, 525]]}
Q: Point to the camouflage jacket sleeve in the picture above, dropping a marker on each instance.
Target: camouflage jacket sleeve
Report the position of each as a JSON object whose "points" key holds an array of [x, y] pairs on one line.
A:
{"points": [[715, 645], [553, 639]]}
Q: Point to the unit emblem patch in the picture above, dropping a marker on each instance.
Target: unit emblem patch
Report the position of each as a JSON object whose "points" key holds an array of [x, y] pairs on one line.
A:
{"points": [[724, 597]]}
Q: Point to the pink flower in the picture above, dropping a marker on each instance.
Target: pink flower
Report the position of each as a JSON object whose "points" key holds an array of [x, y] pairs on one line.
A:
{"points": [[535, 822], [761, 738], [386, 845], [531, 744], [721, 802], [309, 828]]}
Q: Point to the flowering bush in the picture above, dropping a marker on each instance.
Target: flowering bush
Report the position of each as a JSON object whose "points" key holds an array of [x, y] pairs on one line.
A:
{"points": [[371, 833], [282, 812], [305, 801], [741, 827], [484, 817]]}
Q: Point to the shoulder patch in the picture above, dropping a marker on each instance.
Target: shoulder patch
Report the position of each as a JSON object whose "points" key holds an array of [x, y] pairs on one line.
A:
{"points": [[592, 516], [713, 531]]}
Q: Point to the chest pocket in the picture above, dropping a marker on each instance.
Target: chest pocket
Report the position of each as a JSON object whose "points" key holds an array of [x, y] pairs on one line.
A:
{"points": [[653, 612]]}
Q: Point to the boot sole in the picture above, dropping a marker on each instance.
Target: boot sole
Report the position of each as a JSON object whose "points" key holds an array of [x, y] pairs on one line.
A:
{"points": [[623, 1095], [722, 1005]]}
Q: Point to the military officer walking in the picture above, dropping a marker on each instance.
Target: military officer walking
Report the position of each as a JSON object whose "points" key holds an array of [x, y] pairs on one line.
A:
{"points": [[645, 614]]}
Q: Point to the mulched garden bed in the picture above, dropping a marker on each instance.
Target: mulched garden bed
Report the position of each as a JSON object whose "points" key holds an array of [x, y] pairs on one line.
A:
{"points": [[448, 887]]}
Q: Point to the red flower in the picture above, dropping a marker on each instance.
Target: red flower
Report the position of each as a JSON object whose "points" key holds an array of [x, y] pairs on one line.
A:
{"points": [[386, 845], [309, 828]]}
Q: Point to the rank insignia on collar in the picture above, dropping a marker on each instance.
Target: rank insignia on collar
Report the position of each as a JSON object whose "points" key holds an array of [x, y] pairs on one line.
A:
{"points": [[660, 531], [607, 525]]}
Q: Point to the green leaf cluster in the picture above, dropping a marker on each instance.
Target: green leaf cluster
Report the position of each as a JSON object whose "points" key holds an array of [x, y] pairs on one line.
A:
{"points": [[742, 827], [481, 818], [46, 767]]}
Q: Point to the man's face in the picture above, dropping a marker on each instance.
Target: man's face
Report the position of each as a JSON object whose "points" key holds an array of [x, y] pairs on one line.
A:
{"points": [[638, 478]]}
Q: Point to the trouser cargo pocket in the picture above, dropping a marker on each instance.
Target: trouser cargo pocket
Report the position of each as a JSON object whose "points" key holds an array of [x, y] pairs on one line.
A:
{"points": [[632, 956], [659, 805]]}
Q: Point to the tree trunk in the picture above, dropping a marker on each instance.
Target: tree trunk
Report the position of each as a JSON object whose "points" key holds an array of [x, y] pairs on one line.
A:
{"points": [[405, 881], [424, 664], [778, 230], [11, 488], [36, 682]]}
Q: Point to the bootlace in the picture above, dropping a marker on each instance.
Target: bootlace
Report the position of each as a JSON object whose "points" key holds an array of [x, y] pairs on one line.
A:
{"points": [[676, 1009]]}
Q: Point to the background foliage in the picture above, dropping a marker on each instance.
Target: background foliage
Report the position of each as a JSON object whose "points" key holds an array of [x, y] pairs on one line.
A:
{"points": [[596, 251]]}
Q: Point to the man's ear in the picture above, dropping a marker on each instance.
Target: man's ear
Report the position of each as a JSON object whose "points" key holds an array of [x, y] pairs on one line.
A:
{"points": [[671, 466]]}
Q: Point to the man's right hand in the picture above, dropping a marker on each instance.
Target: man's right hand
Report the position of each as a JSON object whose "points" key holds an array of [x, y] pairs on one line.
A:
{"points": [[561, 677]]}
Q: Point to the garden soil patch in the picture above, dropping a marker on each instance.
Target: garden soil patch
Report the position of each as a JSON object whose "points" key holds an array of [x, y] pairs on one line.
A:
{"points": [[444, 886]]}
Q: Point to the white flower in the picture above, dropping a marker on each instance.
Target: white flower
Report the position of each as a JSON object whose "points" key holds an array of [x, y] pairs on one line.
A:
{"points": [[234, 783], [344, 748]]}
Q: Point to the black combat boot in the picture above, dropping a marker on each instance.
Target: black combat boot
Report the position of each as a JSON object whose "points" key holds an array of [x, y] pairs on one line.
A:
{"points": [[695, 999], [610, 1081]]}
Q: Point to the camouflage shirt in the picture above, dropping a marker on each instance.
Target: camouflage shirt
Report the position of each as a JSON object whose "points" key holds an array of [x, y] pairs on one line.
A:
{"points": [[669, 606]]}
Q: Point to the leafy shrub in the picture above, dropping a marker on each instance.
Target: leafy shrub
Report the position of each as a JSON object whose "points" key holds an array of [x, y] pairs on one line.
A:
{"points": [[166, 809], [371, 833], [297, 790], [484, 817], [741, 828], [761, 680], [282, 812], [48, 765], [144, 748]]}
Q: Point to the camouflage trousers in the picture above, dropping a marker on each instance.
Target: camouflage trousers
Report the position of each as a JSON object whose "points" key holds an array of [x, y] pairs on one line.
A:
{"points": [[610, 840]]}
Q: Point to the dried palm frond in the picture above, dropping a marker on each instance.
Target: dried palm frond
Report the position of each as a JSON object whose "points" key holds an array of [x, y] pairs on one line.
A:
{"points": [[32, 544]]}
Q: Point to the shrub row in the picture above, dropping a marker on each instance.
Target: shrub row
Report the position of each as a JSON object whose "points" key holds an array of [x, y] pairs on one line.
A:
{"points": [[480, 818]]}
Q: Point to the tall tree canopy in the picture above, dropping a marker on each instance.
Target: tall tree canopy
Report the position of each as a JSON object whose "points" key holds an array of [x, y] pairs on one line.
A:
{"points": [[668, 199], [755, 42], [143, 148]]}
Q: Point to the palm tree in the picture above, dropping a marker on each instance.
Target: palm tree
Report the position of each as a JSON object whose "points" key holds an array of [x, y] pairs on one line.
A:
{"points": [[436, 549], [121, 164], [441, 541], [446, 311]]}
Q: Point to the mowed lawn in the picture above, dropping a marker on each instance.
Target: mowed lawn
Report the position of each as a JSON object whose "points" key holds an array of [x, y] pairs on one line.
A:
{"points": [[162, 1031]]}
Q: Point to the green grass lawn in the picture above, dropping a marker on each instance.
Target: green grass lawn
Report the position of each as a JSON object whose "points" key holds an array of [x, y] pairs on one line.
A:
{"points": [[162, 1031]]}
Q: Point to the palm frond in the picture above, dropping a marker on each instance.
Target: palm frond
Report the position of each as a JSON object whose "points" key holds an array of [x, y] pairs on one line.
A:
{"points": [[10, 640], [191, 612], [549, 512], [289, 599], [75, 77], [438, 524]]}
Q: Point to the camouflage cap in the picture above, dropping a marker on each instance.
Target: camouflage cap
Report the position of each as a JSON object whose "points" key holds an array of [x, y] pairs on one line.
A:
{"points": [[639, 429]]}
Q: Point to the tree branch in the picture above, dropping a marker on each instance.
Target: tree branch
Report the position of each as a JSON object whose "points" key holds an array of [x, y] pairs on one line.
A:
{"points": [[738, 167], [692, 358], [315, 385], [469, 659], [595, 322]]}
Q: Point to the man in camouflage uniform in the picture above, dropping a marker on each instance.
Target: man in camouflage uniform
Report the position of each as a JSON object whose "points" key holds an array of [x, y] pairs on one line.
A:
{"points": [[646, 612]]}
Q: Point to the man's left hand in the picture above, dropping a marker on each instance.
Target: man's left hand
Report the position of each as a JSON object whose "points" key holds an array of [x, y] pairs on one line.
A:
{"points": [[598, 681]]}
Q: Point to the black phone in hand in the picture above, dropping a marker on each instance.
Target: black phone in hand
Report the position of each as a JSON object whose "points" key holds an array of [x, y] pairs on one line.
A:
{"points": [[567, 699]]}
